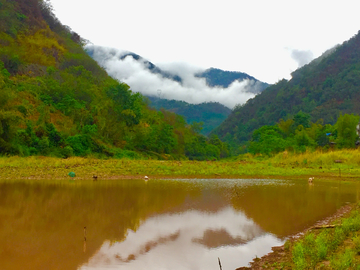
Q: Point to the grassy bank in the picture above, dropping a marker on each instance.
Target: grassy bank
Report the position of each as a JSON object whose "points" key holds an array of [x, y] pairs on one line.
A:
{"points": [[329, 246], [335, 164]]}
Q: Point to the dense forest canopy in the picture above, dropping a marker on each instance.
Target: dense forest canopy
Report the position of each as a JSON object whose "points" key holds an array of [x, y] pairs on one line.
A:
{"points": [[56, 100], [324, 89], [211, 114]]}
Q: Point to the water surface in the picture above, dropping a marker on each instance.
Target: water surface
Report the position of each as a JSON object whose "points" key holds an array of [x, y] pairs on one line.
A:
{"points": [[159, 224]]}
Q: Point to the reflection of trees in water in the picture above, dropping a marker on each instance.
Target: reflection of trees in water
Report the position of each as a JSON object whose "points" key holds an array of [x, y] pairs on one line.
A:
{"points": [[41, 223]]}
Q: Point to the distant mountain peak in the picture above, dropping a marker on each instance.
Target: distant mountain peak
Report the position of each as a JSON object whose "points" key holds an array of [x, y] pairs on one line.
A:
{"points": [[217, 77], [178, 81], [100, 54]]}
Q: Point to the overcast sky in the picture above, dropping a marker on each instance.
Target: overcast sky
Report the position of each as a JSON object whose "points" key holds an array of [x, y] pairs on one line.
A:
{"points": [[265, 39]]}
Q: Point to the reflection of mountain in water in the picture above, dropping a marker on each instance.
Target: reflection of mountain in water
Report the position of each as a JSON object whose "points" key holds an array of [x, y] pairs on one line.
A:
{"points": [[220, 238], [197, 236]]}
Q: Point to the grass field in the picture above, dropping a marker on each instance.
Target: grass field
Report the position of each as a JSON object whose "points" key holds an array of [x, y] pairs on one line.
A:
{"points": [[335, 164]]}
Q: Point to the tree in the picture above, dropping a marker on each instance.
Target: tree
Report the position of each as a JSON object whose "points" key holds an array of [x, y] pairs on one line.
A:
{"points": [[346, 130], [267, 140], [301, 119], [285, 126], [302, 139]]}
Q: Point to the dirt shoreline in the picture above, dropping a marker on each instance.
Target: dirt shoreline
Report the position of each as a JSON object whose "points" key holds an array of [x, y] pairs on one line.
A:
{"points": [[280, 254]]}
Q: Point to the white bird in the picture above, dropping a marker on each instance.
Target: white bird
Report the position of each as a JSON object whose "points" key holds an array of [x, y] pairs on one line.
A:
{"points": [[146, 178], [311, 179]]}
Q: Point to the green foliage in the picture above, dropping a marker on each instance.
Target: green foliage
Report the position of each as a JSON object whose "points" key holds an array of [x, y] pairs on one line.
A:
{"points": [[303, 140], [322, 89], [322, 245], [81, 144], [11, 62], [90, 129], [57, 101], [68, 151], [285, 135], [200, 149], [299, 256], [267, 140], [346, 130], [302, 119], [128, 106], [312, 249], [212, 114], [344, 261]]}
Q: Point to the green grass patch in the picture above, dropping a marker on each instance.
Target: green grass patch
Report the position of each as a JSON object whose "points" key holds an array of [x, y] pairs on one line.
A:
{"points": [[339, 245]]}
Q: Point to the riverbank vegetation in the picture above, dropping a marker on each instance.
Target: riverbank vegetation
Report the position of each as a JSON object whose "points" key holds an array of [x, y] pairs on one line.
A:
{"points": [[333, 243], [329, 247], [299, 134], [339, 164]]}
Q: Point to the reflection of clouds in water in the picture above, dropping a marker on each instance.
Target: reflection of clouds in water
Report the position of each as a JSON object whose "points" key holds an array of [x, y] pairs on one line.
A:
{"points": [[187, 241]]}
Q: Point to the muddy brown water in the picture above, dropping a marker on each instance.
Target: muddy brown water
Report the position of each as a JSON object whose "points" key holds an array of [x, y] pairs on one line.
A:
{"points": [[158, 224]]}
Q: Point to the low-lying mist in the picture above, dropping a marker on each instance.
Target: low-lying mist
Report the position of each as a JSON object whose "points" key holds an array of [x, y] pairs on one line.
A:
{"points": [[140, 76]]}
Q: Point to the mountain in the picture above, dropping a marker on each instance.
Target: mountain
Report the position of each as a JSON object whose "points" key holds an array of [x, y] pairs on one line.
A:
{"points": [[106, 55], [177, 81], [210, 113], [55, 100], [217, 77], [182, 83], [324, 89], [214, 77]]}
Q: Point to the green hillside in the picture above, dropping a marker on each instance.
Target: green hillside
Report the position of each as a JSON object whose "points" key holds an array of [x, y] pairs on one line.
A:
{"points": [[56, 100], [324, 89], [211, 114]]}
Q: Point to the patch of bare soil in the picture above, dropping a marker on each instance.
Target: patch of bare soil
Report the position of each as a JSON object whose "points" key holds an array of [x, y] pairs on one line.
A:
{"points": [[281, 256]]}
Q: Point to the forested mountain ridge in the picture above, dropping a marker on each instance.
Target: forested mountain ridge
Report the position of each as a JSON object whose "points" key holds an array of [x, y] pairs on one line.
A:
{"points": [[214, 77], [211, 114], [56, 100], [218, 77], [324, 88], [113, 52]]}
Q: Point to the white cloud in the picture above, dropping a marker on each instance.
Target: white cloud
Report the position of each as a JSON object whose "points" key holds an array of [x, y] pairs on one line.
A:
{"points": [[302, 57], [246, 36], [192, 89], [169, 241]]}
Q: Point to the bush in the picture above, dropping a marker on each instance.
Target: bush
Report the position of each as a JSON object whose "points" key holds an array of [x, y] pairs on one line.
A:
{"points": [[68, 151]]}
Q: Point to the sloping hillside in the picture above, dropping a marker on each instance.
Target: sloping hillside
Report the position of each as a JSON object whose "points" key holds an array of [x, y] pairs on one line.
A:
{"points": [[56, 100], [323, 89]]}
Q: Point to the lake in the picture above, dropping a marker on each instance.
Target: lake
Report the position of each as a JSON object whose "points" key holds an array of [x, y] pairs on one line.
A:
{"points": [[158, 224]]}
